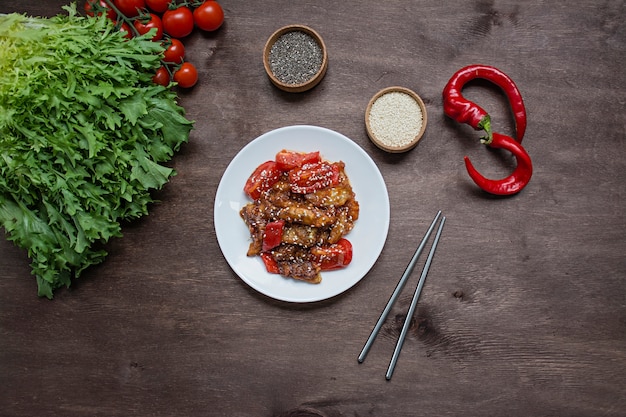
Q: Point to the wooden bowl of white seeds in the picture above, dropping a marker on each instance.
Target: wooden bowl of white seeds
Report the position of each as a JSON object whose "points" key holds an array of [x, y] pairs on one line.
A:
{"points": [[395, 119], [295, 58]]}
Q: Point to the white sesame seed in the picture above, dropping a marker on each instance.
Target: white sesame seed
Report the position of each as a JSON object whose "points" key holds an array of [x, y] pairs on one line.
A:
{"points": [[395, 119]]}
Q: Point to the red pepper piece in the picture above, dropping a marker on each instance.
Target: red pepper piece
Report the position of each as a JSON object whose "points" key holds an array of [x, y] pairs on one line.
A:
{"points": [[270, 263], [515, 182], [464, 111], [335, 256], [311, 177], [273, 235], [288, 160], [262, 179]]}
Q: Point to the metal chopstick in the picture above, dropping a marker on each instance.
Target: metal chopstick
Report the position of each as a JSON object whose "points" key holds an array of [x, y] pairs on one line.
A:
{"points": [[396, 292], [409, 315]]}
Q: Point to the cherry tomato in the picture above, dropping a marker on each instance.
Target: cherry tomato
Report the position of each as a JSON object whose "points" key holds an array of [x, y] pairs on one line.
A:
{"points": [[335, 256], [125, 29], [288, 160], [262, 179], [143, 26], [130, 8], [174, 51], [162, 77], [158, 6], [178, 22], [209, 16], [186, 76], [311, 177], [100, 5], [273, 235]]}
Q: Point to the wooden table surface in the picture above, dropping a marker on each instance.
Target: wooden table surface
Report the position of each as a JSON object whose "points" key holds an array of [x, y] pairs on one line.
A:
{"points": [[524, 309]]}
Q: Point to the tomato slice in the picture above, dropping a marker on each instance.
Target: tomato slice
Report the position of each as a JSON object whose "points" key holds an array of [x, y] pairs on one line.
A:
{"points": [[270, 263], [288, 160], [312, 177], [273, 235], [262, 179], [335, 256]]}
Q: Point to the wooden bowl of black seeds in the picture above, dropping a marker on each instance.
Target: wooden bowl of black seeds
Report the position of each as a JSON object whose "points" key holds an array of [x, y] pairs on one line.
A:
{"points": [[295, 58]]}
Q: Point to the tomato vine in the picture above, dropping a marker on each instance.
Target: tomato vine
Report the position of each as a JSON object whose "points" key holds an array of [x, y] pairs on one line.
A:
{"points": [[168, 21]]}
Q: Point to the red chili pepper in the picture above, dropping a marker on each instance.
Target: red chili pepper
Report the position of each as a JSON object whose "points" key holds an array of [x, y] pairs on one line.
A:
{"points": [[464, 111], [514, 182]]}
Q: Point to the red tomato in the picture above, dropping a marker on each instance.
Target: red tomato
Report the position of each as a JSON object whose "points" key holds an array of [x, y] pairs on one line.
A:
{"points": [[270, 263], [158, 6], [209, 16], [162, 77], [288, 160], [186, 75], [125, 29], [130, 8], [178, 22], [143, 26], [273, 235], [174, 51], [100, 6], [333, 256], [311, 177], [262, 179]]}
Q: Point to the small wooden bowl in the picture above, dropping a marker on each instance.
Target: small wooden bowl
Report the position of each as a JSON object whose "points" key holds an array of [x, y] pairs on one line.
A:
{"points": [[310, 83], [404, 145]]}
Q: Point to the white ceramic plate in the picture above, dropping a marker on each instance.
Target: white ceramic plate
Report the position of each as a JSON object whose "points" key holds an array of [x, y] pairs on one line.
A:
{"points": [[368, 235]]}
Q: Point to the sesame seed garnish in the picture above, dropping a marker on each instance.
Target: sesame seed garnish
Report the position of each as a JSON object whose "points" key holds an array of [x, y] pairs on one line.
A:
{"points": [[395, 119]]}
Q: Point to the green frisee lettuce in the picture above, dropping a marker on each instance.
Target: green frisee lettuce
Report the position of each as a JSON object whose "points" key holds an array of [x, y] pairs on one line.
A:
{"points": [[84, 133]]}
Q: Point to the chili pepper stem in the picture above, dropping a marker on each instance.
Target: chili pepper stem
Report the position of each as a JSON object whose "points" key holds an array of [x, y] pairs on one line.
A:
{"points": [[485, 124]]}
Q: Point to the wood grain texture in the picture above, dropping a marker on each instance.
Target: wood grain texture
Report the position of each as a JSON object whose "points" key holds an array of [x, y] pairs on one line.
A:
{"points": [[524, 309]]}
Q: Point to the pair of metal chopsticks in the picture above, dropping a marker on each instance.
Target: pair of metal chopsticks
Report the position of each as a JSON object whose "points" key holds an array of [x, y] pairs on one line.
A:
{"points": [[396, 292]]}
